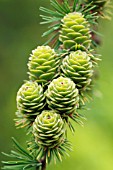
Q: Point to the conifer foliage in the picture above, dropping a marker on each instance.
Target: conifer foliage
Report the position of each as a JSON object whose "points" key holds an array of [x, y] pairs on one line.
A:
{"points": [[60, 81]]}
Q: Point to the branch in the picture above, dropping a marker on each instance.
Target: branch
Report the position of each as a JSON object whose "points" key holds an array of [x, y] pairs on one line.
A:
{"points": [[60, 1], [44, 163]]}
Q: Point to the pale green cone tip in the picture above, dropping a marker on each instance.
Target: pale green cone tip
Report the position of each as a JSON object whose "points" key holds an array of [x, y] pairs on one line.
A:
{"points": [[75, 31], [43, 64], [62, 96], [49, 129], [78, 67]]}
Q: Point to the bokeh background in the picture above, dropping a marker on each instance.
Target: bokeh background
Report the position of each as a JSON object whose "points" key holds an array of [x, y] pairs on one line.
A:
{"points": [[20, 32]]}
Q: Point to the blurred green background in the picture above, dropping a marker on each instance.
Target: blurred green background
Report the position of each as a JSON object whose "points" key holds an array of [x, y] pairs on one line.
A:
{"points": [[20, 32]]}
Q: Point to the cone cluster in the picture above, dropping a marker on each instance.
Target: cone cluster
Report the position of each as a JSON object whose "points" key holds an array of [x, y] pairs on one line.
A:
{"points": [[51, 96], [58, 82]]}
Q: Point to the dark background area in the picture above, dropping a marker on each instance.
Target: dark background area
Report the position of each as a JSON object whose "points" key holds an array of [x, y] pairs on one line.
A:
{"points": [[20, 32]]}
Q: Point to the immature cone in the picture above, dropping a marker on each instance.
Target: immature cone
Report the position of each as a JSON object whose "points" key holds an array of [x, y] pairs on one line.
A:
{"points": [[49, 129], [30, 99], [78, 67], [75, 32], [62, 96], [43, 64]]}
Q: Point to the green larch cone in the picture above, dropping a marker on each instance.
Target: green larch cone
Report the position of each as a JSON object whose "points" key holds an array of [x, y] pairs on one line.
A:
{"points": [[78, 67], [62, 96], [30, 98], [75, 31], [30, 101], [49, 129], [43, 64]]}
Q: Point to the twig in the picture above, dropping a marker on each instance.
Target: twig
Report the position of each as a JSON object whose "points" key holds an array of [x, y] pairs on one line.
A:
{"points": [[60, 1], [44, 163]]}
